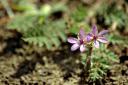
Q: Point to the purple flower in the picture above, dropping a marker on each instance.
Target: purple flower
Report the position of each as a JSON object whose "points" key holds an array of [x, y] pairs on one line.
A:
{"points": [[97, 37], [78, 43]]}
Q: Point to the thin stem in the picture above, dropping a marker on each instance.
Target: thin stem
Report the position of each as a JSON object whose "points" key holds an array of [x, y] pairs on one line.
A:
{"points": [[88, 61], [85, 70], [8, 9]]}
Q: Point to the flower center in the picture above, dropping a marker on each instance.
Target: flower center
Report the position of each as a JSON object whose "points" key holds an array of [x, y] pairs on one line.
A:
{"points": [[94, 37], [81, 41]]}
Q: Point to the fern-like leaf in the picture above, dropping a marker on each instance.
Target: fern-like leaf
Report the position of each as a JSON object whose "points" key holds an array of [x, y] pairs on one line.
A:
{"points": [[49, 34]]}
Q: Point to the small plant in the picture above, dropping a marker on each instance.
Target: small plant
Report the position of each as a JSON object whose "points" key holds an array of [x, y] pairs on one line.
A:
{"points": [[113, 13], [96, 62], [38, 28]]}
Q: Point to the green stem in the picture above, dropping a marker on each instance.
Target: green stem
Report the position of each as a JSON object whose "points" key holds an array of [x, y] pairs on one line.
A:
{"points": [[8, 9], [85, 70], [88, 61]]}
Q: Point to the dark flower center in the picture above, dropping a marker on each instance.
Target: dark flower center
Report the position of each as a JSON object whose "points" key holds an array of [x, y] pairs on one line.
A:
{"points": [[81, 41], [94, 37]]}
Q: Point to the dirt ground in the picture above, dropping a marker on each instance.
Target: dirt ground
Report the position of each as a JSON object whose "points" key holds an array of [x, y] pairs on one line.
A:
{"points": [[23, 64]]}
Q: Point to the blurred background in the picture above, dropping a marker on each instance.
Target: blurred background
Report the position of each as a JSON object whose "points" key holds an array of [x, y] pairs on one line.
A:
{"points": [[33, 40]]}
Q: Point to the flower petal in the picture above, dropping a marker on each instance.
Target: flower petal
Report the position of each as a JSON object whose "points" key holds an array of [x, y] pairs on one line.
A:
{"points": [[82, 48], [103, 32], [96, 44], [94, 30], [72, 40], [81, 34], [75, 47], [102, 39], [89, 37]]}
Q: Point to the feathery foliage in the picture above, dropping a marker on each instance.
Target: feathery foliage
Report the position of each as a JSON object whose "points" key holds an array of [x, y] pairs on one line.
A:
{"points": [[79, 13], [78, 19], [38, 29], [120, 40], [102, 60], [113, 12]]}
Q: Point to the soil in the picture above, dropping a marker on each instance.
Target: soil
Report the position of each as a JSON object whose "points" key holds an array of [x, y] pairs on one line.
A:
{"points": [[23, 64]]}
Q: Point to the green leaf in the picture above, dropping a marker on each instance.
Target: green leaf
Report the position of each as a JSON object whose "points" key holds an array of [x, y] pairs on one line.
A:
{"points": [[47, 34]]}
